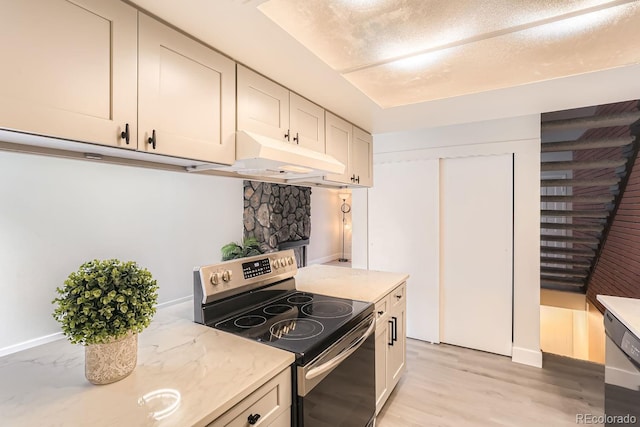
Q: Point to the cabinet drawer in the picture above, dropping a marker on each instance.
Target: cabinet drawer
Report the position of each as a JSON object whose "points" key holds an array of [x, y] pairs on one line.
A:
{"points": [[398, 295], [381, 309], [272, 402]]}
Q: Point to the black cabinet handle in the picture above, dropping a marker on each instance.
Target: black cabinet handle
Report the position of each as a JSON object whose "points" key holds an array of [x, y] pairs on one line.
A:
{"points": [[391, 330], [394, 332], [125, 135], [296, 138], [380, 313], [358, 179], [353, 178], [399, 296], [288, 135], [252, 419], [152, 140]]}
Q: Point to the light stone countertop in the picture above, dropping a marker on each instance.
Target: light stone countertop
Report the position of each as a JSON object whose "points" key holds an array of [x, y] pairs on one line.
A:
{"points": [[627, 310], [351, 283], [211, 370]]}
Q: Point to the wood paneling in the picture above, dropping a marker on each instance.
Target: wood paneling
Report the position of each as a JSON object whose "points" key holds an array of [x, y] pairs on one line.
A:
{"points": [[618, 268]]}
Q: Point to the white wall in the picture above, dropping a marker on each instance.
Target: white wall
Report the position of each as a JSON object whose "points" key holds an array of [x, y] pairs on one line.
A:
{"points": [[325, 242], [57, 213], [519, 136]]}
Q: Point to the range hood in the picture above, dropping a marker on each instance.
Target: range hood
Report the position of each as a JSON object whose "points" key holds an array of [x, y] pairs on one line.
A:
{"points": [[260, 155]]}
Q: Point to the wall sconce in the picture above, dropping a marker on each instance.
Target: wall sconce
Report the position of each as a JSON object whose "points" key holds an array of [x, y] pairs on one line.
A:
{"points": [[345, 209]]}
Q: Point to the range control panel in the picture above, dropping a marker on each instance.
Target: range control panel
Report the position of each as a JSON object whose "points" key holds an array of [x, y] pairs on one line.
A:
{"points": [[256, 268], [230, 277]]}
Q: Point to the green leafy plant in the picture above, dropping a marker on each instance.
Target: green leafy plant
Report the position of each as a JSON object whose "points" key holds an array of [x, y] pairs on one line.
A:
{"points": [[105, 300], [249, 247]]}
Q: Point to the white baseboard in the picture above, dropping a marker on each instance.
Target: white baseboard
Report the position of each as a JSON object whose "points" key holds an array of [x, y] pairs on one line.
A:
{"points": [[175, 301], [35, 342], [30, 343], [527, 356], [324, 259]]}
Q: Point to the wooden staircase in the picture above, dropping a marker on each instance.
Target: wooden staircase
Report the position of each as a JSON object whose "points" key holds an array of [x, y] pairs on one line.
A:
{"points": [[582, 182]]}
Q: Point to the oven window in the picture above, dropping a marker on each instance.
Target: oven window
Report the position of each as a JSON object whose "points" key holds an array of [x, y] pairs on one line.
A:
{"points": [[346, 397]]}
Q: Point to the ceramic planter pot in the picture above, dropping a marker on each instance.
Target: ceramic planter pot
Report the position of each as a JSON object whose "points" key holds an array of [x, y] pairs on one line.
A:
{"points": [[112, 361]]}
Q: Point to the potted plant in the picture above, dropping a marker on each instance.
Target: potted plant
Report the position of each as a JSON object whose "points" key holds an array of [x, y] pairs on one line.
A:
{"points": [[103, 306], [249, 247]]}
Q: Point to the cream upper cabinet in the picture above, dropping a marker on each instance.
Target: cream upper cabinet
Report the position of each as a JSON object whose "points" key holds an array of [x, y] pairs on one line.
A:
{"points": [[186, 96], [266, 108], [362, 158], [339, 136], [351, 146], [263, 106], [70, 69], [306, 121]]}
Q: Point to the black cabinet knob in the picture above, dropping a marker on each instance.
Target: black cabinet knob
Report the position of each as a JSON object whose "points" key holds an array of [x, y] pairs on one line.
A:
{"points": [[253, 418], [152, 139], [125, 134], [296, 138], [288, 135]]}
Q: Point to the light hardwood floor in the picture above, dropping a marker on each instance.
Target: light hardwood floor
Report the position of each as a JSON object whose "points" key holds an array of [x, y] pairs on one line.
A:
{"points": [[446, 385]]}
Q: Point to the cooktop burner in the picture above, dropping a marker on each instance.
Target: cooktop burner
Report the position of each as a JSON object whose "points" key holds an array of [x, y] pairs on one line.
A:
{"points": [[299, 322], [249, 321], [300, 298], [277, 309], [327, 309]]}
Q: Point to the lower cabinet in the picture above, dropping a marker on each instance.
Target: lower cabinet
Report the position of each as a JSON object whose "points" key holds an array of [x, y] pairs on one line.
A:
{"points": [[390, 314], [269, 405]]}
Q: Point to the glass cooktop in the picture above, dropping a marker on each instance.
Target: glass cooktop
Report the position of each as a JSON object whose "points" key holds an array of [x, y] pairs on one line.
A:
{"points": [[300, 322]]}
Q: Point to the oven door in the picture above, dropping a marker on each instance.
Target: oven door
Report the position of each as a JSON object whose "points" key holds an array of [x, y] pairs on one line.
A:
{"points": [[338, 387]]}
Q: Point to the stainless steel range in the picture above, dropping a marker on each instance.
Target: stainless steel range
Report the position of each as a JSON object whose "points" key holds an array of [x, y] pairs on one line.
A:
{"points": [[332, 338]]}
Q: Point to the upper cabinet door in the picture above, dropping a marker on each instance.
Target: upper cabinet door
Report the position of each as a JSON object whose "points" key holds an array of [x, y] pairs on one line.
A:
{"points": [[186, 96], [307, 123], [69, 70], [263, 106], [362, 157], [339, 136]]}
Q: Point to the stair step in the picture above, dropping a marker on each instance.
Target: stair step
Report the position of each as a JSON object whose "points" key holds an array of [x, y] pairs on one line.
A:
{"points": [[582, 165], [596, 182], [570, 239], [592, 122], [578, 199], [576, 227], [562, 280], [583, 253], [576, 214], [572, 272], [563, 287], [566, 261], [586, 144]]}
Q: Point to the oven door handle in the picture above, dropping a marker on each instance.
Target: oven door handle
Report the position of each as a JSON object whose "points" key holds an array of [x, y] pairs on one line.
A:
{"points": [[327, 366]]}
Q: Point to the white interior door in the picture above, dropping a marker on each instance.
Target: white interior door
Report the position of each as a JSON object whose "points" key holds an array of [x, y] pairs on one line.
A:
{"points": [[476, 252], [403, 237]]}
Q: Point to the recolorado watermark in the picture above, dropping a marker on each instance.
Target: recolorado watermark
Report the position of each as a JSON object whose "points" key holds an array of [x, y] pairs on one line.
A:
{"points": [[606, 419]]}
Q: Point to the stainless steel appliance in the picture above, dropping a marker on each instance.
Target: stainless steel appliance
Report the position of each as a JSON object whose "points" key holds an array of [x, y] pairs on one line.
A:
{"points": [[332, 338], [621, 374]]}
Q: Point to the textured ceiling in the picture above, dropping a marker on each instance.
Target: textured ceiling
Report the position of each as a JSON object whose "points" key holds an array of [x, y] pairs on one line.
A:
{"points": [[400, 52]]}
